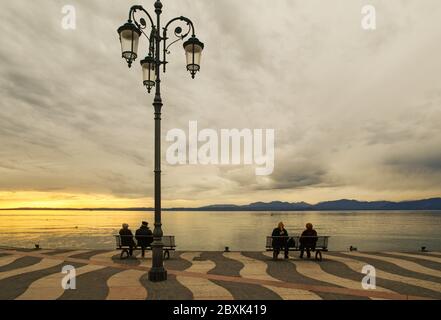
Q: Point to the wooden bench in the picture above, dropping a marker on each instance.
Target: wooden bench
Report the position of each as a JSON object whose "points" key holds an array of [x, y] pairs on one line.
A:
{"points": [[168, 241], [321, 245]]}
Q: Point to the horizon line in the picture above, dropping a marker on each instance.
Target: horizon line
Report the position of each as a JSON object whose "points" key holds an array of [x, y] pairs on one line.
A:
{"points": [[232, 207]]}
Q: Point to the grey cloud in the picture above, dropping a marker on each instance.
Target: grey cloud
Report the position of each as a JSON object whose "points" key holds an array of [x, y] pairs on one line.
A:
{"points": [[426, 161], [350, 109]]}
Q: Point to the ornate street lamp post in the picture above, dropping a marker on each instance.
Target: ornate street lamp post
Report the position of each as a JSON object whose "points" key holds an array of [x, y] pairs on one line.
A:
{"points": [[130, 34]]}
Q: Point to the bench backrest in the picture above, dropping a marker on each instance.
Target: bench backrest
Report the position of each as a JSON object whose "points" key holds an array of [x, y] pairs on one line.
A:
{"points": [[168, 241], [322, 241]]}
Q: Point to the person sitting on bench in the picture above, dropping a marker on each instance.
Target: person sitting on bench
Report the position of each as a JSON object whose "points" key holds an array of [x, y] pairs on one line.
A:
{"points": [[127, 238], [280, 240], [308, 240], [144, 237]]}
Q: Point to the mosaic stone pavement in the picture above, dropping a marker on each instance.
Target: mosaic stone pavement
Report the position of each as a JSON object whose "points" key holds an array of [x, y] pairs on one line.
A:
{"points": [[101, 275]]}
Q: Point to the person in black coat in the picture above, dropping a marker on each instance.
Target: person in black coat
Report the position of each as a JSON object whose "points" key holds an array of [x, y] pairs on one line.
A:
{"points": [[144, 236], [308, 240], [280, 240], [127, 238]]}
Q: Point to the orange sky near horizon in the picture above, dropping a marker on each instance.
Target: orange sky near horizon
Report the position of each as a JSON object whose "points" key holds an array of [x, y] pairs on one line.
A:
{"points": [[35, 199]]}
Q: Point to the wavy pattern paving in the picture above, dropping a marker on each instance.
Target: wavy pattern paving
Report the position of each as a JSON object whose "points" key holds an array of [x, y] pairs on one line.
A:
{"points": [[52, 251], [231, 268], [49, 287], [171, 289], [312, 269], [405, 264], [43, 264], [5, 260], [126, 285], [434, 253], [202, 288], [113, 256], [340, 269], [358, 265], [286, 272], [91, 285], [105, 256], [415, 256], [67, 254], [45, 251], [256, 269], [28, 275], [21, 262]]}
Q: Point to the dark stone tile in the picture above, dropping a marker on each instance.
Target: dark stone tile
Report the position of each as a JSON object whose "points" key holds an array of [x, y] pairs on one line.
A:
{"points": [[91, 285], [15, 286], [241, 291], [131, 261], [176, 262], [57, 252], [89, 254], [171, 289], [224, 266], [20, 263]]}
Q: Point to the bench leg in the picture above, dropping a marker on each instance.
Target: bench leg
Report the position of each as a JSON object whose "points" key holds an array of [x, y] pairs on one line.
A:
{"points": [[166, 254], [318, 255]]}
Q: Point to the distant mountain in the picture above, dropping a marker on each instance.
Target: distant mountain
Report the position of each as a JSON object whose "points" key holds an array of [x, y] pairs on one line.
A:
{"points": [[343, 204]]}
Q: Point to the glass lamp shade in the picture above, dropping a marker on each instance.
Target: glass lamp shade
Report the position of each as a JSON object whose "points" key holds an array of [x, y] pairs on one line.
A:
{"points": [[148, 72], [193, 49], [129, 37]]}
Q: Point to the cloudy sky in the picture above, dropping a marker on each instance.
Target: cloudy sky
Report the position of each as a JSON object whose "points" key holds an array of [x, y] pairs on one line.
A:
{"points": [[356, 113]]}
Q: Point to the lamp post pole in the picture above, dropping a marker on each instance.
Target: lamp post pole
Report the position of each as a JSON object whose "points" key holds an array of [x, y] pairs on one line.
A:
{"points": [[157, 272], [129, 37]]}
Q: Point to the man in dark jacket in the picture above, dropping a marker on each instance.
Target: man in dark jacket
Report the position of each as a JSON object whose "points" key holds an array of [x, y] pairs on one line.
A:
{"points": [[144, 236], [308, 240], [280, 240], [127, 238]]}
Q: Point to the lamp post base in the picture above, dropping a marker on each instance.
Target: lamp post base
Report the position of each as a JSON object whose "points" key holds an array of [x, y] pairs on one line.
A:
{"points": [[157, 274]]}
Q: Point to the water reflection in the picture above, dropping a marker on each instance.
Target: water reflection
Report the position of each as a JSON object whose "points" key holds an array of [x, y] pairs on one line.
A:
{"points": [[367, 230]]}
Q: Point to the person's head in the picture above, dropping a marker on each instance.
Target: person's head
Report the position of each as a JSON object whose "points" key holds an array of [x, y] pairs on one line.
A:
{"points": [[281, 225], [309, 226], [125, 226], [145, 223]]}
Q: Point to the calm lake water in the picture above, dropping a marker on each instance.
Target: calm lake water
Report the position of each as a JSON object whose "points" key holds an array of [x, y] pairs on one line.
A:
{"points": [[367, 230]]}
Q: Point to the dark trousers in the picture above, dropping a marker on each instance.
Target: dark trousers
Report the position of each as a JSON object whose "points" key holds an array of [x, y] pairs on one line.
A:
{"points": [[131, 251], [143, 252], [308, 251], [278, 249]]}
